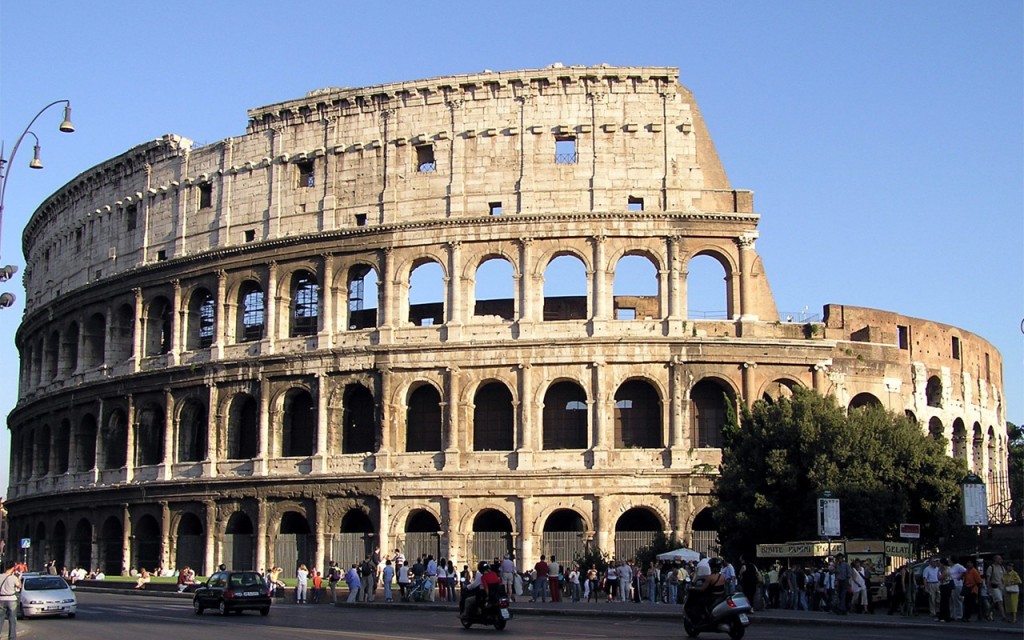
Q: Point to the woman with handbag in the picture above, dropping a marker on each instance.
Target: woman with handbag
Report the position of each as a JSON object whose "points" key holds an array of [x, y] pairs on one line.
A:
{"points": [[1011, 585]]}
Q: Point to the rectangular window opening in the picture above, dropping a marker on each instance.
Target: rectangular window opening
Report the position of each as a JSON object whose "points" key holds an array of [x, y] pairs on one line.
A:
{"points": [[305, 170], [425, 158], [625, 313], [956, 348], [903, 337], [130, 221], [495, 208], [161, 255], [360, 219], [250, 235], [988, 367], [635, 204], [205, 195], [78, 240], [565, 150]]}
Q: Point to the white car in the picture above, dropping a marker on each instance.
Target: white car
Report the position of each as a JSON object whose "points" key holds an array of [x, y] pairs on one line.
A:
{"points": [[46, 596]]}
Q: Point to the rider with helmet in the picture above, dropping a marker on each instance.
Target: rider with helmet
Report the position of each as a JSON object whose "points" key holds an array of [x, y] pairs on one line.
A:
{"points": [[477, 590], [705, 592]]}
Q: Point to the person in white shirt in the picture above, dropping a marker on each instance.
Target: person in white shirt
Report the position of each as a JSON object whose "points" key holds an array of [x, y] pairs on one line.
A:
{"points": [[956, 600], [507, 568], [703, 567], [931, 586]]}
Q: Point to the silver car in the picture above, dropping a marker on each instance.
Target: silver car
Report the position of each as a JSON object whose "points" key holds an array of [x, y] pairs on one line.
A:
{"points": [[46, 596]]}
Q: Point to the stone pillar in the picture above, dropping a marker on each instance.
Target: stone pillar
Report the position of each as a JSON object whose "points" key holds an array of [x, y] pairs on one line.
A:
{"points": [[126, 540], [129, 454], [221, 319], [384, 537], [110, 331], [602, 523], [528, 436], [165, 535], [528, 555], [527, 285], [455, 316], [262, 534], [601, 302], [453, 533], [213, 538], [137, 337], [320, 455], [260, 464], [82, 336], [451, 435], [388, 442], [748, 382], [385, 310], [819, 376], [178, 328], [328, 321], [746, 260], [679, 513], [677, 441], [676, 298], [271, 307], [598, 405], [213, 431], [320, 528], [170, 429]]}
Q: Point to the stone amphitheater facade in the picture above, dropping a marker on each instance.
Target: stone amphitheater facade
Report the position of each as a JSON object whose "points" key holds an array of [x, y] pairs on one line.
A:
{"points": [[221, 360]]}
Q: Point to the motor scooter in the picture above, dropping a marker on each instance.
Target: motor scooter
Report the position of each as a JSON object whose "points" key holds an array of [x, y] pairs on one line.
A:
{"points": [[494, 611], [725, 614]]}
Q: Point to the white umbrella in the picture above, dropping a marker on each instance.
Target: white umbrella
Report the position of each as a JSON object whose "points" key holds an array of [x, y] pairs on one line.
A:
{"points": [[680, 554]]}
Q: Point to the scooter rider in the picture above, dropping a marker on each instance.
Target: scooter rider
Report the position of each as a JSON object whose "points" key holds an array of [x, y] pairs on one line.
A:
{"points": [[477, 590], [706, 592]]}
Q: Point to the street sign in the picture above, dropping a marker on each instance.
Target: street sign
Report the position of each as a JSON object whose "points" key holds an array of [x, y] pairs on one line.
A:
{"points": [[26, 543], [828, 517], [975, 501], [910, 530]]}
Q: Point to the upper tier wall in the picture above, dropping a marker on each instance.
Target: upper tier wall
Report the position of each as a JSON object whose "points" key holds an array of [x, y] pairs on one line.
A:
{"points": [[403, 153]]}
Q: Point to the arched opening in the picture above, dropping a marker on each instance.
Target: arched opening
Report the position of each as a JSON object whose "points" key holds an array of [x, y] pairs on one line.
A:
{"points": [[422, 535], [85, 443], [426, 295], [27, 439], [95, 341], [635, 528], [298, 425], [423, 420], [202, 320], [493, 418], [294, 545], [563, 535], [494, 289], [58, 545], [994, 463], [190, 544], [959, 440], [81, 545], [243, 428], [356, 540], [709, 412], [936, 430], [359, 424], [864, 400], [778, 389], [305, 308], [635, 289], [115, 441], [566, 418], [252, 312], [110, 542], [708, 288], [239, 548], [704, 534], [362, 297], [637, 416], [61, 442], [492, 536], [42, 450], [146, 544], [565, 289], [933, 391], [37, 553], [149, 435], [69, 350], [123, 342], [52, 355], [192, 428], [910, 416], [159, 327]]}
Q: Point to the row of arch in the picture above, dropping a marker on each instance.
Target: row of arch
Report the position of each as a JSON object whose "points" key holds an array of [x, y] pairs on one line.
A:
{"points": [[140, 434], [251, 306], [109, 544]]}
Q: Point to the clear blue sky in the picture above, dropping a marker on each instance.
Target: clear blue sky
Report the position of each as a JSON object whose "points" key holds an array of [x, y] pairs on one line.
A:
{"points": [[883, 140]]}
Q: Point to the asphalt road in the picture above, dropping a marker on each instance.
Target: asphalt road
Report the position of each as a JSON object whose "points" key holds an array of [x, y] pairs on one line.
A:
{"points": [[130, 617]]}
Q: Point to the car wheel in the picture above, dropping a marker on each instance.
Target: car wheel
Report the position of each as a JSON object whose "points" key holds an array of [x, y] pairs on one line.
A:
{"points": [[499, 624], [223, 608], [198, 608], [736, 630], [265, 611]]}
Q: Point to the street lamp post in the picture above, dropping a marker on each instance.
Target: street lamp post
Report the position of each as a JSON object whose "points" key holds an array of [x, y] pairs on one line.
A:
{"points": [[65, 126]]}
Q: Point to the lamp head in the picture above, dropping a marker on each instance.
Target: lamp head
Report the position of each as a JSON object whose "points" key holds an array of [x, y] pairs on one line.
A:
{"points": [[66, 125], [36, 162]]}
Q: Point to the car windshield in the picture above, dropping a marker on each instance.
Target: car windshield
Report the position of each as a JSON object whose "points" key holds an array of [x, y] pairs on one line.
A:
{"points": [[246, 580], [45, 584]]}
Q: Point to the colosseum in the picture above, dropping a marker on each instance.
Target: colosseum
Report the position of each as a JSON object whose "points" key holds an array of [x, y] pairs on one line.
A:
{"points": [[224, 358]]}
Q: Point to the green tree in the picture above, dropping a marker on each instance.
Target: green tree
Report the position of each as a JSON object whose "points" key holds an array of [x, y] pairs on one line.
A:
{"points": [[780, 456], [1016, 469]]}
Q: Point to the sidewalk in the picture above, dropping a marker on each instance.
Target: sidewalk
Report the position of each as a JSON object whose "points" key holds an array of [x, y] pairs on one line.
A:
{"points": [[646, 610]]}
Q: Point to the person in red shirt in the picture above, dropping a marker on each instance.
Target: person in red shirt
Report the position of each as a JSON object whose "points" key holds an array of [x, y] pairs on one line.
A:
{"points": [[540, 580]]}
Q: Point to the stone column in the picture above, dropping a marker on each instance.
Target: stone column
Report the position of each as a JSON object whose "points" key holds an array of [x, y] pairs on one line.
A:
{"points": [[82, 336], [126, 540], [598, 406], [677, 441], [213, 538], [110, 331], [261, 463], [129, 454], [213, 431], [601, 306], [455, 315], [819, 376], [386, 308], [677, 504], [221, 319], [387, 434], [527, 554], [271, 307], [137, 337], [602, 522], [322, 451], [328, 321], [676, 298], [528, 436], [746, 261], [456, 540], [262, 534], [170, 429], [527, 285], [165, 535], [178, 328], [384, 537], [451, 442], [319, 528], [748, 382]]}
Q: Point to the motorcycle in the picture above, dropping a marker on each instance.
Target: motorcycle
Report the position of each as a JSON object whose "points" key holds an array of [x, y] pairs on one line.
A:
{"points": [[494, 611], [726, 614]]}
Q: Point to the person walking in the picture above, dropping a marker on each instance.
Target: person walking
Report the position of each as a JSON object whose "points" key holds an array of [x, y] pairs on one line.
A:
{"points": [[843, 574], [301, 582], [387, 577], [10, 586], [931, 586], [994, 579]]}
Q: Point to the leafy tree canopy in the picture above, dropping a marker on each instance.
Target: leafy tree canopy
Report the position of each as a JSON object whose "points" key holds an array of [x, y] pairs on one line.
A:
{"points": [[782, 455], [1016, 468]]}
